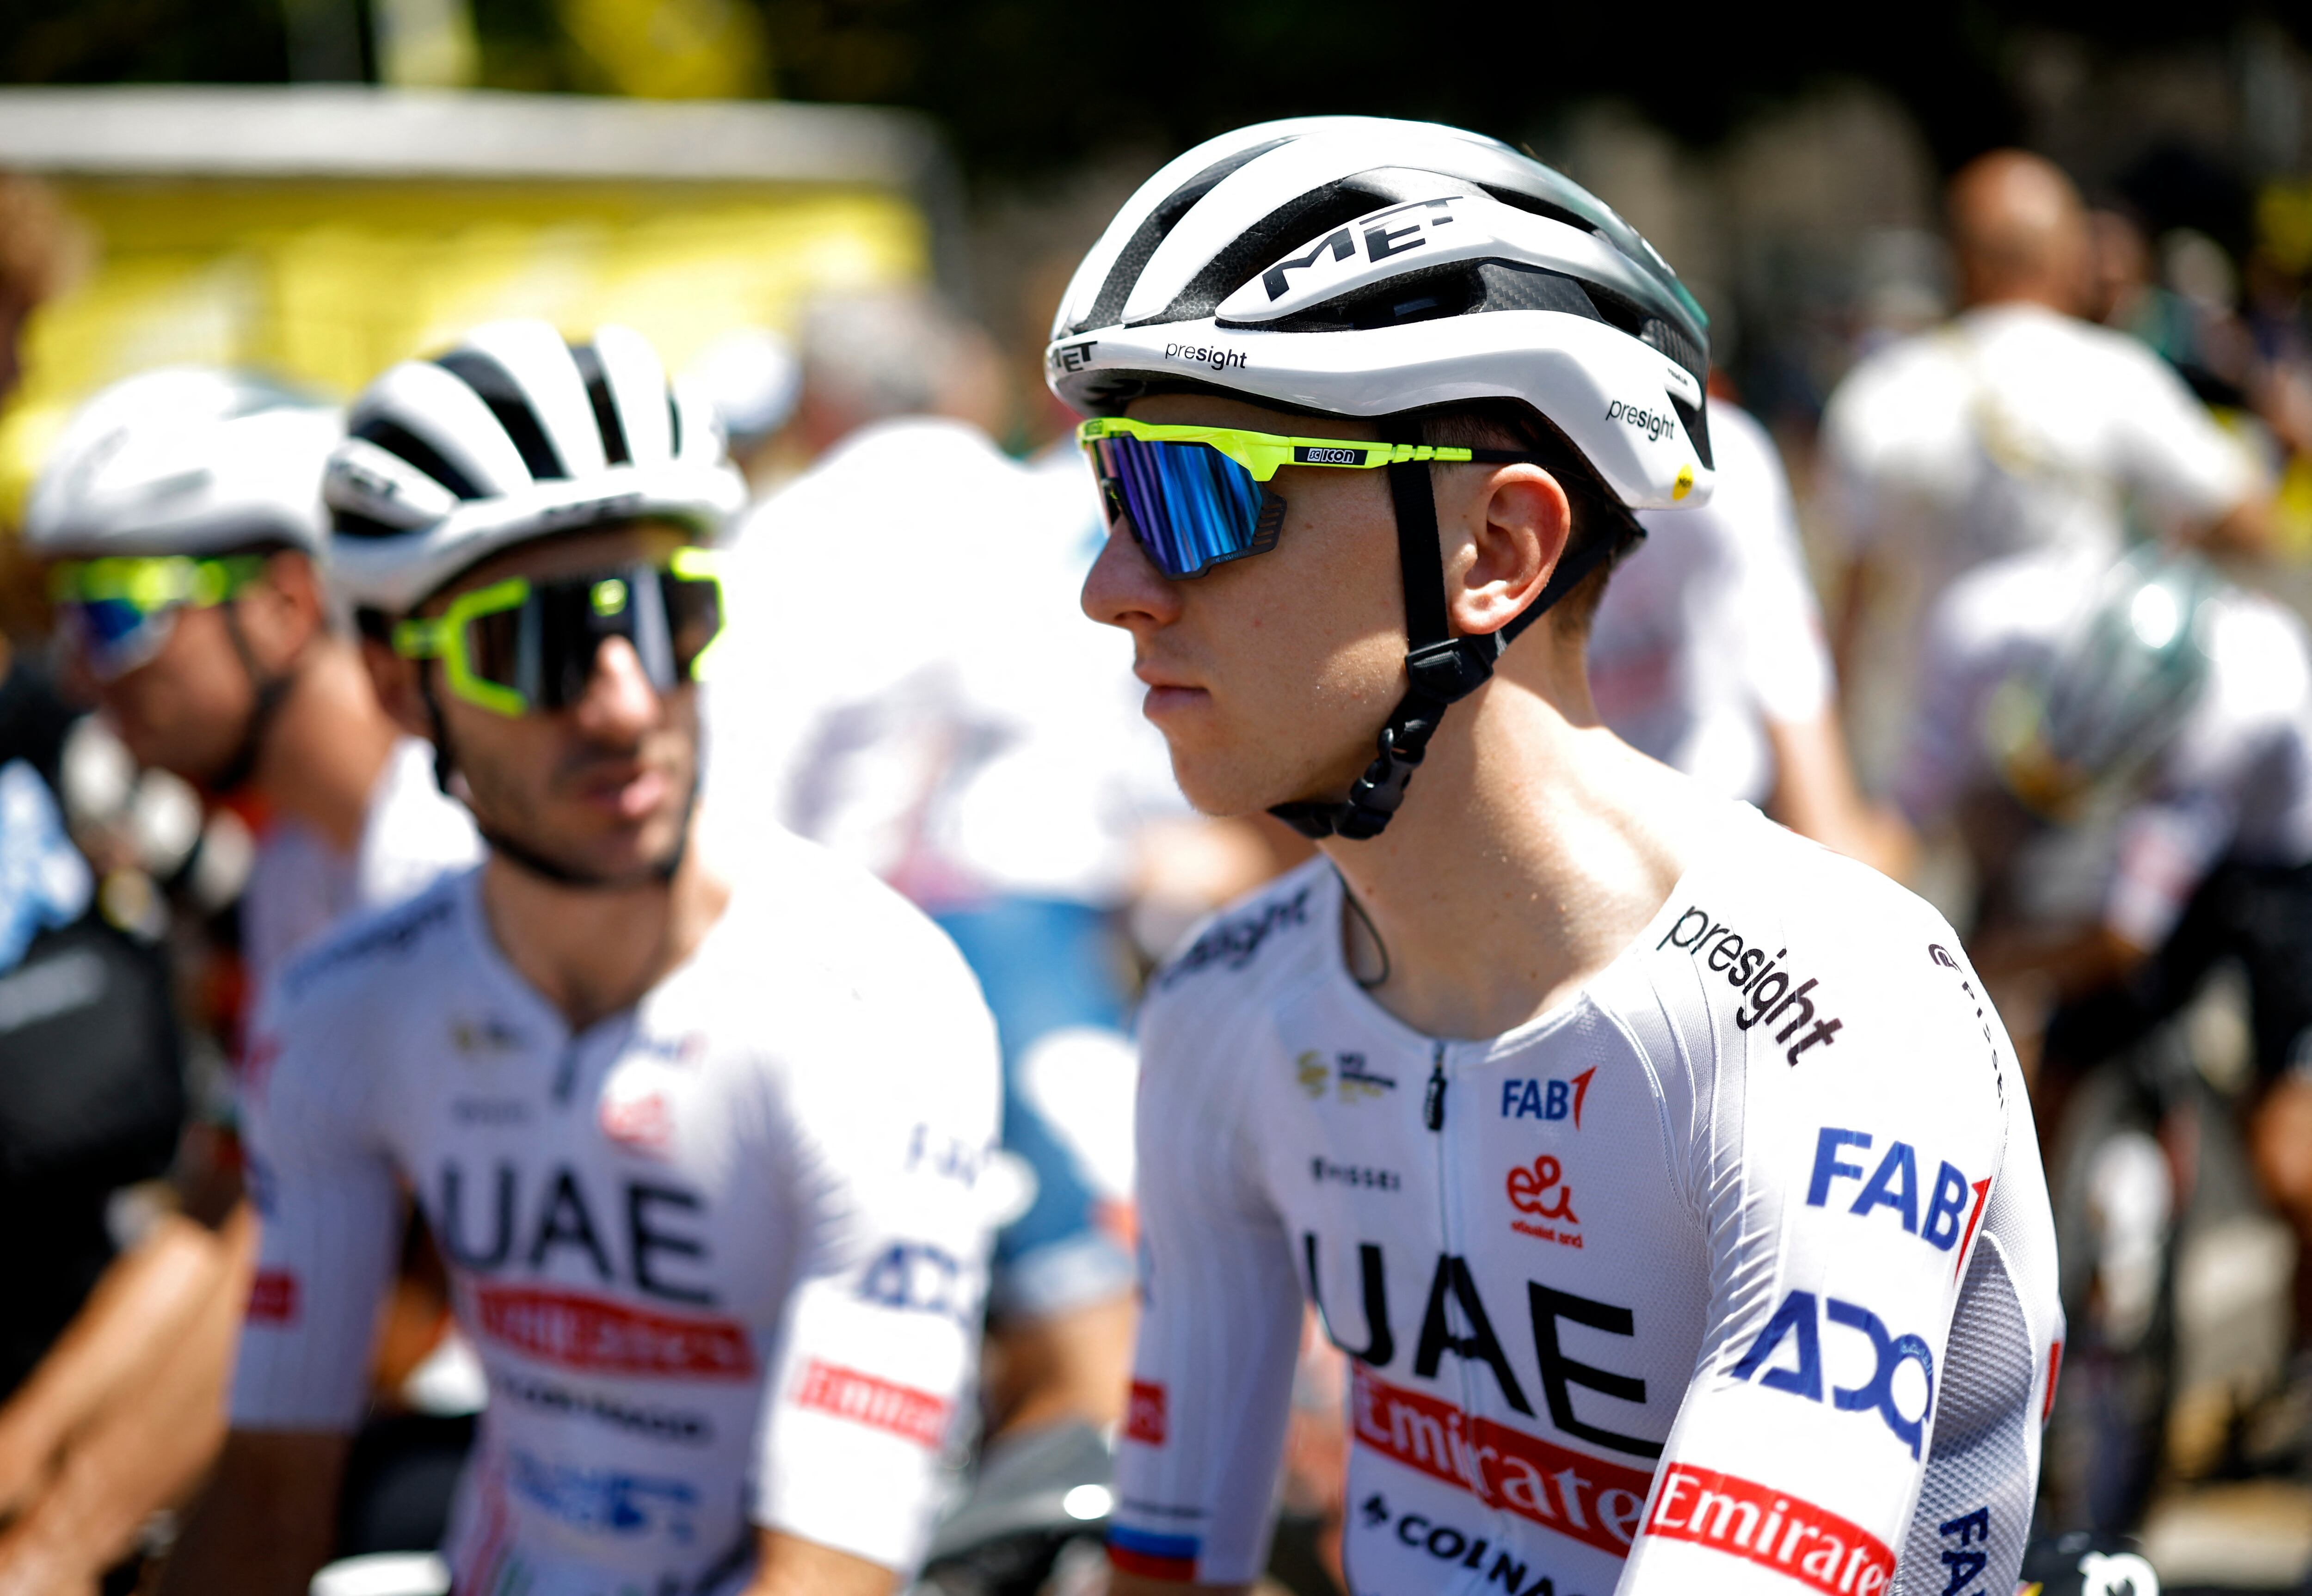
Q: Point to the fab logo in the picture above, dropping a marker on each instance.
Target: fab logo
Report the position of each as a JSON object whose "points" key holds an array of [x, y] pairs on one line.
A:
{"points": [[1545, 1099], [1953, 1207]]}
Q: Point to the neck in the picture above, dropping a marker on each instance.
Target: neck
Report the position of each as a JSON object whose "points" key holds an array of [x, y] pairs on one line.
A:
{"points": [[327, 745], [594, 951], [1532, 846]]}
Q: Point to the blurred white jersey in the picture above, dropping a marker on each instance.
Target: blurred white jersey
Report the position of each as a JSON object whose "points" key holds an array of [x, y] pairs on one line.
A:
{"points": [[2011, 428], [912, 681], [300, 885], [1733, 1273], [1709, 631], [720, 1254], [2234, 781]]}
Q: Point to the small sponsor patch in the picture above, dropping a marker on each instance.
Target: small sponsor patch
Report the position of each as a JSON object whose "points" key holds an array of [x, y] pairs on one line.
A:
{"points": [[878, 1404], [581, 1332], [1146, 1423], [273, 1297]]}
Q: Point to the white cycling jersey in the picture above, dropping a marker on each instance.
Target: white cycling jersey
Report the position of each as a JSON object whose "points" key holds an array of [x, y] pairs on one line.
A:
{"points": [[1734, 1273], [720, 1254]]}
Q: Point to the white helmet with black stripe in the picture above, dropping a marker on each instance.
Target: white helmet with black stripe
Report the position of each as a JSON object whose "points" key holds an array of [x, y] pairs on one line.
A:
{"points": [[1358, 267], [514, 434], [1364, 266]]}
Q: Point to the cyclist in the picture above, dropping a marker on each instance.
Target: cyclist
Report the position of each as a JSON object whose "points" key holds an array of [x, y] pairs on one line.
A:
{"points": [[1708, 654], [2015, 426], [699, 1156], [181, 514], [1665, 1177], [182, 519], [2126, 753]]}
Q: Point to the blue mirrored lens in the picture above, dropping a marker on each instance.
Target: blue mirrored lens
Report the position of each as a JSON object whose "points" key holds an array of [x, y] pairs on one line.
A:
{"points": [[1190, 505], [115, 635]]}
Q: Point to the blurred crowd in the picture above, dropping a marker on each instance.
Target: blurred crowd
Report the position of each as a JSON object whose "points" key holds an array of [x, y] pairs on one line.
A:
{"points": [[2036, 655]]}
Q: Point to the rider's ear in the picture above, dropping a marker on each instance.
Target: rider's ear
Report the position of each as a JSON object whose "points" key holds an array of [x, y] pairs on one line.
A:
{"points": [[1517, 519]]}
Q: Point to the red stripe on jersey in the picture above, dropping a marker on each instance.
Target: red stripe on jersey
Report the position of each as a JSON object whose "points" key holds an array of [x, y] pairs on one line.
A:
{"points": [[273, 1297], [582, 1332], [1175, 1570], [905, 1412], [1581, 1497], [1795, 1538]]}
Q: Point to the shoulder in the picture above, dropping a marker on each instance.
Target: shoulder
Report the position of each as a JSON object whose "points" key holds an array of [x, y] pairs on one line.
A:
{"points": [[835, 946], [1268, 935], [1847, 979], [347, 961], [1902, 380]]}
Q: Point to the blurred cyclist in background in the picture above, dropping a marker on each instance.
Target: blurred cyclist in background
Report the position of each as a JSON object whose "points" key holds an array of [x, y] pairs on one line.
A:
{"points": [[702, 1154], [1707, 652], [981, 759], [2126, 750], [2016, 426], [181, 514]]}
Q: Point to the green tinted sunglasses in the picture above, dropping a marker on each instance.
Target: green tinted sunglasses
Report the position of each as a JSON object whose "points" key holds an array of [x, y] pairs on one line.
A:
{"points": [[521, 645]]}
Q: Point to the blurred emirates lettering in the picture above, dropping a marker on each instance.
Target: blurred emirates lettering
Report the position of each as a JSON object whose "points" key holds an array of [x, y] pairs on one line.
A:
{"points": [[878, 1404], [1146, 1422], [273, 1298], [605, 1338], [1793, 1537]]}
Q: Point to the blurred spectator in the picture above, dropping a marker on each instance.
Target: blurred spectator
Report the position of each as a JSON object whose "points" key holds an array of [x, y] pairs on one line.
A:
{"points": [[181, 514], [2016, 426], [39, 249], [1707, 653], [970, 738], [753, 380]]}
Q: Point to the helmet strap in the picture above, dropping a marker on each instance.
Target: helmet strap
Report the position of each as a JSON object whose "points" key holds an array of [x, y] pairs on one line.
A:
{"points": [[270, 690], [1441, 669]]}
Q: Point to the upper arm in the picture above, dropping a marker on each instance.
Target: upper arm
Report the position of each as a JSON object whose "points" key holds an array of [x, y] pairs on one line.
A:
{"points": [[1852, 1202], [329, 1217], [1220, 1327], [2175, 452], [888, 1140]]}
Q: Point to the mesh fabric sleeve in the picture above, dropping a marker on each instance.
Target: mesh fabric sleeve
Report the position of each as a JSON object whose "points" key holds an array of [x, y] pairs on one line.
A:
{"points": [[886, 1140], [1848, 1193], [1220, 1324], [329, 1218]]}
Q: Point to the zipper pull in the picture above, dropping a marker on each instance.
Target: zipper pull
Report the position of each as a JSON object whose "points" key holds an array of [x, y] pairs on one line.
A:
{"points": [[1433, 1103]]}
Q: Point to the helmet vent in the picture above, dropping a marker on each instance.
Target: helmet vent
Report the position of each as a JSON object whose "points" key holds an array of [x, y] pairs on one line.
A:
{"points": [[397, 439], [589, 361], [507, 402], [1137, 251]]}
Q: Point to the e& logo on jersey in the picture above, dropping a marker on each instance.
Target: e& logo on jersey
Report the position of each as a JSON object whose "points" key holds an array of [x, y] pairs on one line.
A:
{"points": [[1530, 1190]]}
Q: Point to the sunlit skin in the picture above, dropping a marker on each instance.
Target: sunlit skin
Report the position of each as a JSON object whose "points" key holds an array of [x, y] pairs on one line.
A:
{"points": [[184, 710], [601, 787]]}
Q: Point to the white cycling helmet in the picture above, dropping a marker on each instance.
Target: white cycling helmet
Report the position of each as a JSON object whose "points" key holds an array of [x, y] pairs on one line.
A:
{"points": [[1364, 266], [1360, 266], [512, 436], [184, 461]]}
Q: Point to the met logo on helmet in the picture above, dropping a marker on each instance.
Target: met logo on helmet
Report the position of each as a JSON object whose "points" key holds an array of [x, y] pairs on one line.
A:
{"points": [[1378, 236], [1071, 357]]}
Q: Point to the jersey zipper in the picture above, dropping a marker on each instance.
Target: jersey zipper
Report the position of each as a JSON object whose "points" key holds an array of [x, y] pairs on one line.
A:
{"points": [[1433, 1103]]}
